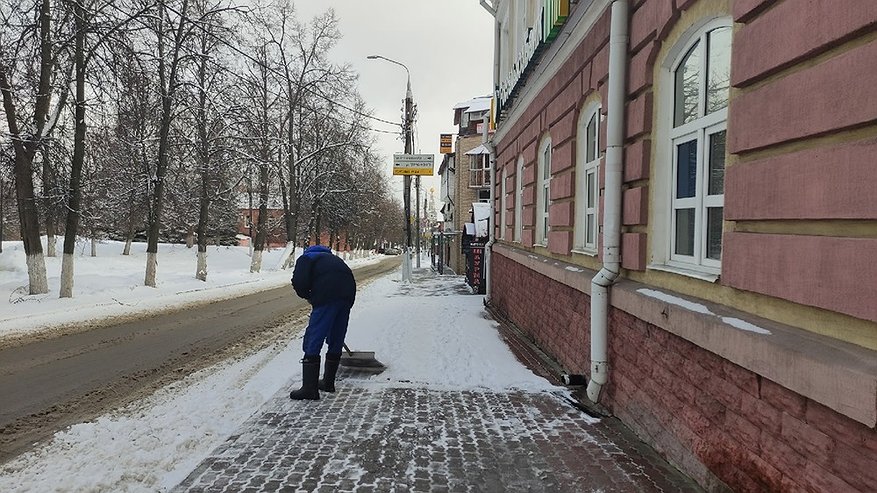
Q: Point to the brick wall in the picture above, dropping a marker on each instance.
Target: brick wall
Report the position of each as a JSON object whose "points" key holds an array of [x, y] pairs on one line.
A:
{"points": [[557, 322], [751, 433]]}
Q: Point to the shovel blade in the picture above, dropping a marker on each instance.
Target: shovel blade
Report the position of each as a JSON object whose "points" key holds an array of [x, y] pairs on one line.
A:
{"points": [[360, 359]]}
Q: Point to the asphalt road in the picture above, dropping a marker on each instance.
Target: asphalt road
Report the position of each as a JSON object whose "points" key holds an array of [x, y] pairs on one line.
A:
{"points": [[51, 383]]}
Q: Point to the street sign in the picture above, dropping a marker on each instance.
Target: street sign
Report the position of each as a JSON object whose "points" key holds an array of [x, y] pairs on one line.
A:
{"points": [[413, 164], [445, 143]]}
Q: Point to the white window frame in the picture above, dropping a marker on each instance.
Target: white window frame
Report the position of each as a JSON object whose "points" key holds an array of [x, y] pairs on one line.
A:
{"points": [[543, 192], [479, 171], [669, 137], [587, 198], [519, 200], [503, 202]]}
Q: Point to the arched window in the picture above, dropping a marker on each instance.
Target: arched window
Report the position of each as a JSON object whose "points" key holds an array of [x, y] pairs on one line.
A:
{"points": [[587, 179], [519, 198], [503, 202], [543, 199], [700, 79]]}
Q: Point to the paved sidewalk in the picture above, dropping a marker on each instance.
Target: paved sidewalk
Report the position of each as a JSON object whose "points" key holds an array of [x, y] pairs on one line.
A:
{"points": [[394, 436]]}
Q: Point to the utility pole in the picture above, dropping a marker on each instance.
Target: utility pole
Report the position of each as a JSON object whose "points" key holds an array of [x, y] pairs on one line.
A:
{"points": [[408, 130], [419, 231], [407, 178], [409, 144]]}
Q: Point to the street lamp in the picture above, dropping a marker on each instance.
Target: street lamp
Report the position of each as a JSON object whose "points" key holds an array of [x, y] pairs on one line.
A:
{"points": [[406, 179]]}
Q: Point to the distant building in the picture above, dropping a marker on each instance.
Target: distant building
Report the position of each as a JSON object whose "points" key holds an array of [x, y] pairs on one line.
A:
{"points": [[465, 178]]}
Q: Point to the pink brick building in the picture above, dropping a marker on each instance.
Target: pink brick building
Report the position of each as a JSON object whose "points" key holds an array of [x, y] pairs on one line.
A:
{"points": [[718, 156]]}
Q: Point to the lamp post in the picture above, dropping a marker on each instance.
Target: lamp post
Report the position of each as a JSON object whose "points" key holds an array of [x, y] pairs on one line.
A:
{"points": [[406, 180]]}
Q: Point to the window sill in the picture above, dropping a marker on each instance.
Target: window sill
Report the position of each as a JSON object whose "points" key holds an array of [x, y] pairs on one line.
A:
{"points": [[806, 363], [684, 271], [588, 253]]}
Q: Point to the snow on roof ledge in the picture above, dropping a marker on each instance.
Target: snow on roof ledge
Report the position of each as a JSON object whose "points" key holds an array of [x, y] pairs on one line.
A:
{"points": [[472, 102], [478, 150]]}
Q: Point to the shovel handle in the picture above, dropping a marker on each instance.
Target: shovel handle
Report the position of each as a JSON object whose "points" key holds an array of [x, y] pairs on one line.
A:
{"points": [[349, 352]]}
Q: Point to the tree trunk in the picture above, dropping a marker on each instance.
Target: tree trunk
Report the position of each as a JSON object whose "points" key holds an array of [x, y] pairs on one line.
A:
{"points": [[129, 234], [93, 246], [262, 223], [67, 266], [75, 190], [201, 269], [317, 220], [48, 187], [24, 193], [287, 259], [204, 165], [168, 83], [2, 216], [256, 264], [151, 265]]}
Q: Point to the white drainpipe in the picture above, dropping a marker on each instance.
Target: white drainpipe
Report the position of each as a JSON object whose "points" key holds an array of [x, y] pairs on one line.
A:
{"points": [[618, 39]]}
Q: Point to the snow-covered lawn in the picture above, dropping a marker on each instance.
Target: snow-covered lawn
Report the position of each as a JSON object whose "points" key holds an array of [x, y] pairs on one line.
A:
{"points": [[111, 284], [443, 342]]}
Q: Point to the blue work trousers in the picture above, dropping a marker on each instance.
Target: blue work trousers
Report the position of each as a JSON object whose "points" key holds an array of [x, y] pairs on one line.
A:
{"points": [[328, 323]]}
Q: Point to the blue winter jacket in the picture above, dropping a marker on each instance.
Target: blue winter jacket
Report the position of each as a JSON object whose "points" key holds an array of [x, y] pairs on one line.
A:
{"points": [[320, 277]]}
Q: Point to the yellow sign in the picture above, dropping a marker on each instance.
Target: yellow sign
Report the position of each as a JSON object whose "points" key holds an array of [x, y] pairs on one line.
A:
{"points": [[413, 164], [445, 144]]}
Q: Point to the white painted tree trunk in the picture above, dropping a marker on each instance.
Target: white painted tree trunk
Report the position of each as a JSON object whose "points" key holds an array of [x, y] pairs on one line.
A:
{"points": [[36, 274], [151, 266], [94, 247], [51, 242], [256, 263], [127, 250], [201, 273], [287, 258], [67, 276]]}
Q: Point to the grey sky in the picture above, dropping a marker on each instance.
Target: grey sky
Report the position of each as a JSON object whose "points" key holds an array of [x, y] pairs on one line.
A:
{"points": [[446, 44]]}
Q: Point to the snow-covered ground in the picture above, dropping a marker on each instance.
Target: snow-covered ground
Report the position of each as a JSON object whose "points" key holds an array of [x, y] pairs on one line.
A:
{"points": [[441, 342], [111, 284]]}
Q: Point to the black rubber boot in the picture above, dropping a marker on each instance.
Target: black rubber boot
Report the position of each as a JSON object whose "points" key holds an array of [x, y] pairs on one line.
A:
{"points": [[310, 374], [330, 369]]}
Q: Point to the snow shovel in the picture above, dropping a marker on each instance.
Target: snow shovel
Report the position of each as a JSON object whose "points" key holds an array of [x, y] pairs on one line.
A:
{"points": [[360, 359]]}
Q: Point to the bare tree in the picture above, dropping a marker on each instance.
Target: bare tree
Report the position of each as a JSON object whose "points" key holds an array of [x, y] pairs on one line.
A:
{"points": [[83, 13], [20, 54], [171, 31], [210, 128]]}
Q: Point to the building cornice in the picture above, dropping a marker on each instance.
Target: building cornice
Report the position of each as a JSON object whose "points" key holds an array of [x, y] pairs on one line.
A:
{"points": [[574, 31]]}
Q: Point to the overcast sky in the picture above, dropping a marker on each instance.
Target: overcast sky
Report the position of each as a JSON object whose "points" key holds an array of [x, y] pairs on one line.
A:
{"points": [[446, 44]]}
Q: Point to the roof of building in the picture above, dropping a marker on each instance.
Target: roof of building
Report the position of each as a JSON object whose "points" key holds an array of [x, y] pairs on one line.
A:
{"points": [[481, 101]]}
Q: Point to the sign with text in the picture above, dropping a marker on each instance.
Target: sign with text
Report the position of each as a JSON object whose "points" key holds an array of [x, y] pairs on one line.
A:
{"points": [[446, 143], [413, 164]]}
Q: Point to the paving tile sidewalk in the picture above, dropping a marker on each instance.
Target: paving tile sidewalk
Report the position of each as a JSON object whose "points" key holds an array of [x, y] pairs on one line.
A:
{"points": [[395, 436]]}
